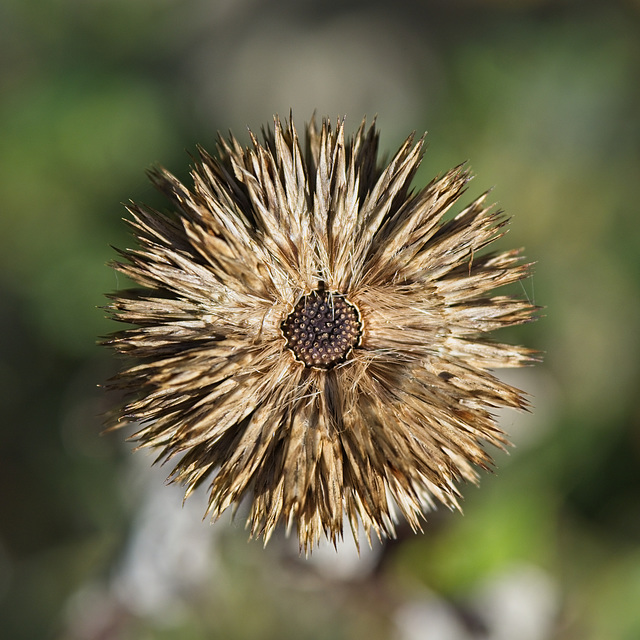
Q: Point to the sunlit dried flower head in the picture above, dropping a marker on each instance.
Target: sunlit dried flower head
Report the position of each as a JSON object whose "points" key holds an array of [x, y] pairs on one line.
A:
{"points": [[309, 332]]}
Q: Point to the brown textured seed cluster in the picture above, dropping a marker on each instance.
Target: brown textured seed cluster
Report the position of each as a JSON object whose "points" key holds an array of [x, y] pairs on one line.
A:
{"points": [[322, 329]]}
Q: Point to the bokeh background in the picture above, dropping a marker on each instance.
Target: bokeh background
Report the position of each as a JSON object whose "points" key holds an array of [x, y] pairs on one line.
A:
{"points": [[541, 96]]}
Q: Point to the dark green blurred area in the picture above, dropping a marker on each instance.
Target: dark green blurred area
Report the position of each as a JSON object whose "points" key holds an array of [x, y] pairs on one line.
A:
{"points": [[542, 98]]}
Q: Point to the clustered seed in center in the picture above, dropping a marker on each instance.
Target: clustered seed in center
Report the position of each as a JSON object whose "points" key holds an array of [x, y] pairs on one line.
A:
{"points": [[322, 329]]}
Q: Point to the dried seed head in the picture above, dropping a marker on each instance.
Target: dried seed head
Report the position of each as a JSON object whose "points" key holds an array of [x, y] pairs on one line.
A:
{"points": [[322, 329], [370, 394]]}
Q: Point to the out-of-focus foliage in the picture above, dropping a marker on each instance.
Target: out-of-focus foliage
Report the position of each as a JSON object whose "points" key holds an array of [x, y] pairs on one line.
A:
{"points": [[542, 98]]}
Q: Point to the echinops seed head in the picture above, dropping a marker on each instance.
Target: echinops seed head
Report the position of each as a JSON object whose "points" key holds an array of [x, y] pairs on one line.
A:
{"points": [[309, 334]]}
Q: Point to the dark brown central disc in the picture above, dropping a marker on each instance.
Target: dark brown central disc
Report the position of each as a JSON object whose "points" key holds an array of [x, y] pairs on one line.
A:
{"points": [[322, 329]]}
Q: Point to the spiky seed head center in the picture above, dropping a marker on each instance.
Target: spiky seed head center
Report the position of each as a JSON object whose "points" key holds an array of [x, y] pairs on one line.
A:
{"points": [[322, 329]]}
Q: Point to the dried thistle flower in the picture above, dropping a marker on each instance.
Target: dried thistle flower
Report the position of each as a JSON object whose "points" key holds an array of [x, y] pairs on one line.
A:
{"points": [[309, 332]]}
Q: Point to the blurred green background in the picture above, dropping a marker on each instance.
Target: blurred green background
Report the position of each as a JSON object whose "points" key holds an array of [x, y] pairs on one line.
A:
{"points": [[543, 99]]}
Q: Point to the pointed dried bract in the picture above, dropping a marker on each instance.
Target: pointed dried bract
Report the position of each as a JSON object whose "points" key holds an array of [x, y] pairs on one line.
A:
{"points": [[309, 332]]}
